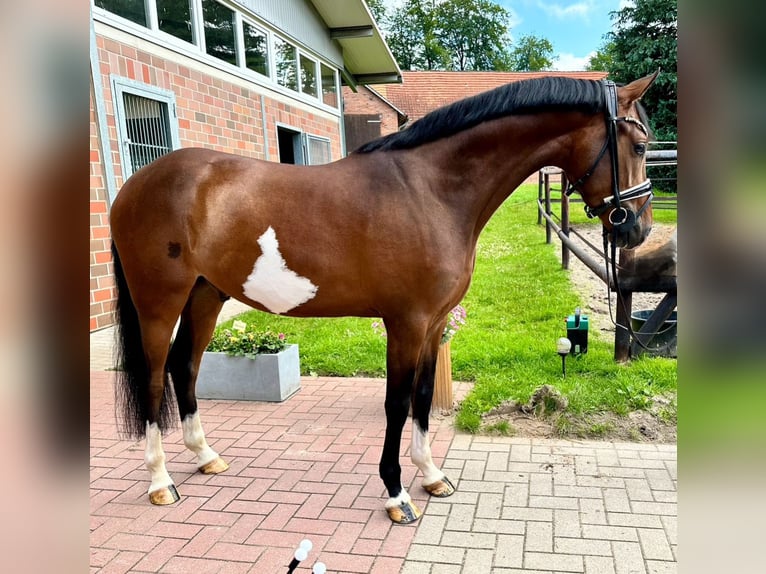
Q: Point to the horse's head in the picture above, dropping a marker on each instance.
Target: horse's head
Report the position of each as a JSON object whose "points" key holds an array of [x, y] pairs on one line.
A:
{"points": [[614, 185]]}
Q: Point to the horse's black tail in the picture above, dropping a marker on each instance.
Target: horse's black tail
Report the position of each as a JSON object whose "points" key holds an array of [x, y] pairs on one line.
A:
{"points": [[131, 390]]}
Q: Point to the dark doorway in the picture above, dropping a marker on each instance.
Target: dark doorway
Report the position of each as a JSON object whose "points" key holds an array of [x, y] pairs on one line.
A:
{"points": [[289, 146]]}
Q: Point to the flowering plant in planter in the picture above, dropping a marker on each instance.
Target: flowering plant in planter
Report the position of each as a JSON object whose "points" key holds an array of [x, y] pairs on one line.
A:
{"points": [[243, 340], [455, 321]]}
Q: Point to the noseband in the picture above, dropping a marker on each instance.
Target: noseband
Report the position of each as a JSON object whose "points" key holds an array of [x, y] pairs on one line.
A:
{"points": [[622, 219]]}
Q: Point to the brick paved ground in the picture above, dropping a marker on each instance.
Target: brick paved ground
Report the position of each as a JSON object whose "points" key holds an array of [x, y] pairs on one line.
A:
{"points": [[542, 506], [308, 468]]}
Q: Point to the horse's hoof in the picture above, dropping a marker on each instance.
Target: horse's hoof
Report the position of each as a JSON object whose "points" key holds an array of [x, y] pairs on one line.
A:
{"points": [[405, 513], [441, 488], [214, 466], [164, 496]]}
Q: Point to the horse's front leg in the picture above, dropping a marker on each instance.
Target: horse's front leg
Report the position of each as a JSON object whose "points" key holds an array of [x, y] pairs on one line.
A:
{"points": [[404, 344], [435, 482]]}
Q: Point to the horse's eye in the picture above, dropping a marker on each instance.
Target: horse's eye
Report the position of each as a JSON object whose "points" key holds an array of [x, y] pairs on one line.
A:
{"points": [[640, 149]]}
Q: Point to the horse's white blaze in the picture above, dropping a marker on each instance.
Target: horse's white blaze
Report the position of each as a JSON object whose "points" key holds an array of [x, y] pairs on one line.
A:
{"points": [[396, 501], [420, 452], [271, 283], [154, 457], [194, 439]]}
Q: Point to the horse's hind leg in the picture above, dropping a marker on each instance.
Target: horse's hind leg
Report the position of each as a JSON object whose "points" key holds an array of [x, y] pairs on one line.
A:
{"points": [[197, 324], [434, 480]]}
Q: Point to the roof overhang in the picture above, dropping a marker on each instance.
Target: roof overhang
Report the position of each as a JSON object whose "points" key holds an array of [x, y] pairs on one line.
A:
{"points": [[366, 56]]}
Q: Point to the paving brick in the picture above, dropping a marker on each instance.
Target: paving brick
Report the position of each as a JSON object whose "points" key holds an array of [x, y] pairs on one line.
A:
{"points": [[553, 502], [582, 546], [639, 520], [539, 537], [654, 544], [477, 561], [566, 523], [654, 567], [592, 511], [436, 554], [537, 514], [489, 505], [628, 558], [461, 517], [660, 508], [599, 565], [554, 562], [430, 529], [469, 540], [510, 551], [494, 526], [609, 532]]}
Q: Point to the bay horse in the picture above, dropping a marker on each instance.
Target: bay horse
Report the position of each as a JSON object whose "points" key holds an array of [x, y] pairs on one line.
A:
{"points": [[389, 231]]}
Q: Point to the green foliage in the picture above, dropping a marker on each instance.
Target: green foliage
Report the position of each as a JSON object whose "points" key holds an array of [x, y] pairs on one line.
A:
{"points": [[452, 35], [378, 10], [602, 60], [532, 54], [644, 39], [246, 343]]}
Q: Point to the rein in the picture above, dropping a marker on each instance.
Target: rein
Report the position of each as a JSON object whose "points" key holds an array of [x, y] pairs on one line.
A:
{"points": [[622, 219]]}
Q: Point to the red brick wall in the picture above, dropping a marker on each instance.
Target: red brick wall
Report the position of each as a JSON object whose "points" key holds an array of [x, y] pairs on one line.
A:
{"points": [[365, 102], [212, 113]]}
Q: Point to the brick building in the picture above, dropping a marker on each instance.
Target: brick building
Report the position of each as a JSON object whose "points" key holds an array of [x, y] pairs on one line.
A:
{"points": [[257, 78]]}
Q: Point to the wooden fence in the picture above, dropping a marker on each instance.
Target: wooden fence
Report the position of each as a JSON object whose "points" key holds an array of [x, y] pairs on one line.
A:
{"points": [[553, 181]]}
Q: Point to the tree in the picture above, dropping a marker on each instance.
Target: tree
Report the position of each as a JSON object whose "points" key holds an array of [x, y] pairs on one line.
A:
{"points": [[532, 54], [412, 37], [378, 9], [602, 60], [449, 34], [644, 38], [474, 33]]}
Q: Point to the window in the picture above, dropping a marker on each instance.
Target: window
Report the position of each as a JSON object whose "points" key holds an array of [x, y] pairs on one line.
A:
{"points": [[308, 76], [285, 58], [175, 18], [133, 10], [220, 40], [318, 150], [329, 88], [256, 49], [147, 127], [234, 36]]}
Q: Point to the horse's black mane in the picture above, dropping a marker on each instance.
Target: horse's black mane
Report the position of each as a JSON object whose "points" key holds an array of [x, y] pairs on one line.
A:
{"points": [[550, 93]]}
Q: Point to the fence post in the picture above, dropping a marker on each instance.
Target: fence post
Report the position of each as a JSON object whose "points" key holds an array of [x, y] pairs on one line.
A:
{"points": [[564, 221], [624, 309], [547, 179]]}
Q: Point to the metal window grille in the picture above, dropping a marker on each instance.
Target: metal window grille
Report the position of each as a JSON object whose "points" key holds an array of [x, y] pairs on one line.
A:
{"points": [[319, 150], [148, 130]]}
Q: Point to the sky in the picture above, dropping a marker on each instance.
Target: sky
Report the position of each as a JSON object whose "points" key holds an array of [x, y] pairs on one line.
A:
{"points": [[576, 28]]}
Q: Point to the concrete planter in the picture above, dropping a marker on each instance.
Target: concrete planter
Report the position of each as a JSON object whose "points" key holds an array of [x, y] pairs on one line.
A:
{"points": [[266, 378]]}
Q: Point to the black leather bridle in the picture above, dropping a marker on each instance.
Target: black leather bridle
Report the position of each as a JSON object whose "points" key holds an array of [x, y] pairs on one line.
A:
{"points": [[621, 218]]}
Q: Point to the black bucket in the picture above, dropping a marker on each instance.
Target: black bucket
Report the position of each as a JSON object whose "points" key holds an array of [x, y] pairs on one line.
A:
{"points": [[665, 342]]}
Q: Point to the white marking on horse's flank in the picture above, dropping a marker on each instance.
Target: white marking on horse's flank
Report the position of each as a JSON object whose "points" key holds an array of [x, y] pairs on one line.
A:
{"points": [[271, 283], [396, 501], [420, 452], [154, 457], [194, 439]]}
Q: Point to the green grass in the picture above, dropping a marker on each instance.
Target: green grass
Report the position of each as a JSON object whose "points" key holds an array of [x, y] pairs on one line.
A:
{"points": [[516, 307]]}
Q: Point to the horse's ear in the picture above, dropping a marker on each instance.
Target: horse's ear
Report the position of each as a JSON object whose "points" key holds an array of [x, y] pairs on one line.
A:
{"points": [[636, 89]]}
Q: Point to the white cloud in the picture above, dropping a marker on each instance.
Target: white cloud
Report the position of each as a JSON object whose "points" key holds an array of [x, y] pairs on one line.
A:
{"points": [[570, 63], [578, 10]]}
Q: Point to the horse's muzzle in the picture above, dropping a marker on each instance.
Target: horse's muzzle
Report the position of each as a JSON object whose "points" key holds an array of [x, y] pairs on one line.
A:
{"points": [[630, 237]]}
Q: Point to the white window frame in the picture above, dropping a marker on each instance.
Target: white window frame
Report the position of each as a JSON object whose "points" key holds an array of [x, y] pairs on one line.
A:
{"points": [[198, 50], [306, 138], [122, 86]]}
